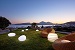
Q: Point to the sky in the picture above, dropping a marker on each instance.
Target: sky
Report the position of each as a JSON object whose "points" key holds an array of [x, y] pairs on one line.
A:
{"points": [[21, 11]]}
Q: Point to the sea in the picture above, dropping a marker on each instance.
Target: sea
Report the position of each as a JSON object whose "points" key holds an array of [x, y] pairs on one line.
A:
{"points": [[24, 26]]}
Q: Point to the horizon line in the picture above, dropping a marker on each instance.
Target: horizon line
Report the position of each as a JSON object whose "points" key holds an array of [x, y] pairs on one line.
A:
{"points": [[43, 21]]}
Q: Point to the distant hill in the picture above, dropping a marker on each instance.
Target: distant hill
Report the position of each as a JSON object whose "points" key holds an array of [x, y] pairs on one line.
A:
{"points": [[45, 23], [23, 24], [73, 22], [41, 23]]}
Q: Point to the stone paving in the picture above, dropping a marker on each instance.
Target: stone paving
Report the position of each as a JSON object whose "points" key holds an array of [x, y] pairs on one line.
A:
{"points": [[4, 31]]}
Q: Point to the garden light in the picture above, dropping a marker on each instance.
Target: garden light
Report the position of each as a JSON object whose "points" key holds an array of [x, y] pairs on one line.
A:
{"points": [[26, 29], [11, 34], [37, 30], [22, 38], [52, 37], [22, 30]]}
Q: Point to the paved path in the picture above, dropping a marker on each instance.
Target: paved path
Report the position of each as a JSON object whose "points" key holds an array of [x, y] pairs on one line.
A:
{"points": [[7, 30], [4, 31]]}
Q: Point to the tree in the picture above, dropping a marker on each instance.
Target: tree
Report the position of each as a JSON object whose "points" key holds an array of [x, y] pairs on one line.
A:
{"points": [[34, 25], [4, 22]]}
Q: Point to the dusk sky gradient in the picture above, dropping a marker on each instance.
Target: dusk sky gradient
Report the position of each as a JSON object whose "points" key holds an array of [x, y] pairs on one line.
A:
{"points": [[21, 11]]}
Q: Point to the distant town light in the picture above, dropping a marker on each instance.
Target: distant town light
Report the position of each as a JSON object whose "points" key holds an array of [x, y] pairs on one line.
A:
{"points": [[22, 30], [52, 37], [22, 38], [26, 29], [11, 34], [37, 30]]}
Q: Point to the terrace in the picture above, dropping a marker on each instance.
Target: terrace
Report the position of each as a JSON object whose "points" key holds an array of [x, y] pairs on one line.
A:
{"points": [[33, 41]]}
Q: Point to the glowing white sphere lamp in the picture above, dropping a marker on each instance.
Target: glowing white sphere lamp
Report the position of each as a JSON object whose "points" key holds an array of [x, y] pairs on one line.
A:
{"points": [[52, 37], [22, 30], [37, 30], [26, 29], [11, 34], [22, 38]]}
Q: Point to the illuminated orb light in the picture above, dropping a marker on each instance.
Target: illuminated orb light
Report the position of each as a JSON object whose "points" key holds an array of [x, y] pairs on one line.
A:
{"points": [[52, 37], [11, 34], [37, 30], [26, 29], [22, 38], [22, 30]]}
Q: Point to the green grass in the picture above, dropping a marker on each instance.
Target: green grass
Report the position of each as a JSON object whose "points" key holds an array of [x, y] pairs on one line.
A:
{"points": [[33, 42]]}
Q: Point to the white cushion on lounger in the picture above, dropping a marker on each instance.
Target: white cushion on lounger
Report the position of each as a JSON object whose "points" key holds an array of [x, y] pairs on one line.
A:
{"points": [[65, 41]]}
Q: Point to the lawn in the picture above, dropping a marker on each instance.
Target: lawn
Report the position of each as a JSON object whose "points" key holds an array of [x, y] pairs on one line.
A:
{"points": [[33, 42]]}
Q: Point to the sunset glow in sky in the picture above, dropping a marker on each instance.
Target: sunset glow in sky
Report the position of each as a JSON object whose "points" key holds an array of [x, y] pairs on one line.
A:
{"points": [[21, 11]]}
